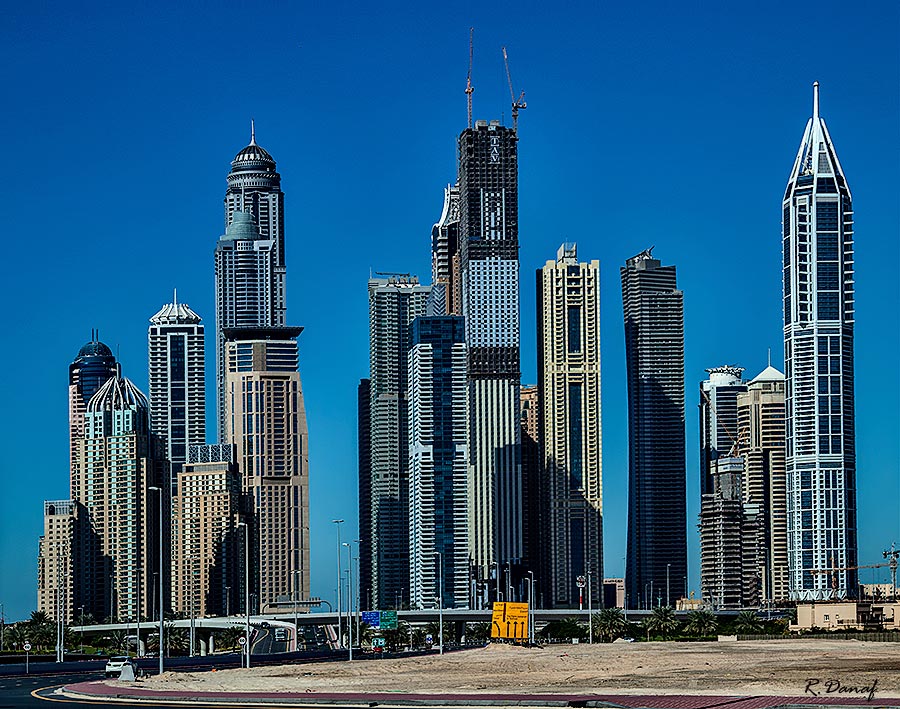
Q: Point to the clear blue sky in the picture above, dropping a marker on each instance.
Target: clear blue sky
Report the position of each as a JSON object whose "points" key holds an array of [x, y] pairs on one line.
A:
{"points": [[672, 125]]}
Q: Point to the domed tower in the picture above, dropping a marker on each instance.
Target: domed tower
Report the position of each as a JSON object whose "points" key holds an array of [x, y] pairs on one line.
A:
{"points": [[254, 187], [92, 367]]}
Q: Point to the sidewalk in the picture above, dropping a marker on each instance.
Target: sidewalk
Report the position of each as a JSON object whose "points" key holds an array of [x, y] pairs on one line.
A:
{"points": [[100, 691]]}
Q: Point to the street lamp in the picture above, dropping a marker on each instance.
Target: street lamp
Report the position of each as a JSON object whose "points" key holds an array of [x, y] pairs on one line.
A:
{"points": [[590, 611], [227, 601], [81, 644], [531, 607], [440, 600], [246, 590], [350, 596], [296, 620], [339, 522], [668, 602], [161, 646]]}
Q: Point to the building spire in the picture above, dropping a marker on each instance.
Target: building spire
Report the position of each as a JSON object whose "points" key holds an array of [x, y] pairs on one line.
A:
{"points": [[816, 102], [253, 131], [175, 297]]}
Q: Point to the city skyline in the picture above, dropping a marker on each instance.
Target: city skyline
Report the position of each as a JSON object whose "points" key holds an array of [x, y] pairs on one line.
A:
{"points": [[122, 324]]}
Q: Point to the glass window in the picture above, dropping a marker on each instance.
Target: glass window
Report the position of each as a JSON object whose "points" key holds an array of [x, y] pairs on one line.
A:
{"points": [[574, 328]]}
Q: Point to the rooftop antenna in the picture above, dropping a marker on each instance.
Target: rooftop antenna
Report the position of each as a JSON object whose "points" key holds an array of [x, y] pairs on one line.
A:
{"points": [[469, 88], [815, 101], [175, 297], [252, 132], [516, 103]]}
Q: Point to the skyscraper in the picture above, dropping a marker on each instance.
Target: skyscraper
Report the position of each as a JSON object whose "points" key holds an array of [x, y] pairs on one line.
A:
{"points": [[254, 187], [718, 419], [177, 381], [364, 457], [445, 265], [438, 463], [656, 561], [820, 455], [568, 307], [760, 412], [265, 419], [92, 367], [245, 296], [206, 544], [394, 302], [489, 259], [116, 547]]}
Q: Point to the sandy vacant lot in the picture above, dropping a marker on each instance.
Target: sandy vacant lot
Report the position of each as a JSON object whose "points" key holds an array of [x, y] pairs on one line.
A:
{"points": [[744, 668]]}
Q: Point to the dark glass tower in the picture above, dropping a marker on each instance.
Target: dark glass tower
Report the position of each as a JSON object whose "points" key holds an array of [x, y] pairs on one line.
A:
{"points": [[93, 367], [820, 454], [656, 564], [364, 451]]}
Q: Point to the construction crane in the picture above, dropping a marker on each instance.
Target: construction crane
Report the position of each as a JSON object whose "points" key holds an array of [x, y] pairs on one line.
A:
{"points": [[516, 103], [834, 569], [469, 88], [892, 554]]}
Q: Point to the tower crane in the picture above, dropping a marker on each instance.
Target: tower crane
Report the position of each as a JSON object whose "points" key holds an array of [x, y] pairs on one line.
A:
{"points": [[892, 554], [469, 88], [892, 564], [516, 103]]}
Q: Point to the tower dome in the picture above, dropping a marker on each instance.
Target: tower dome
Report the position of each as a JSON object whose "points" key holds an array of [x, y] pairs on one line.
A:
{"points": [[254, 157], [94, 348], [117, 394], [242, 228]]}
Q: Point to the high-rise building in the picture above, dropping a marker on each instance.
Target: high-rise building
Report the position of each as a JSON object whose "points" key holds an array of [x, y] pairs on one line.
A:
{"points": [[568, 317], [177, 381], [718, 419], [265, 419], [760, 415], [206, 543], [656, 562], [254, 187], [489, 262], [438, 463], [534, 492], [116, 537], [729, 539], [92, 367], [55, 572], [364, 456], [445, 265], [245, 293], [394, 302], [820, 454]]}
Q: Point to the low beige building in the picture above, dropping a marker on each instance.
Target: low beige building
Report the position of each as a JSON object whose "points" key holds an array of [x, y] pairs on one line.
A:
{"points": [[848, 615]]}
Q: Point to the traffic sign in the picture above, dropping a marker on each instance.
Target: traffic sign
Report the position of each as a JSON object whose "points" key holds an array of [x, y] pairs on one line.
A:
{"points": [[510, 620], [388, 620], [378, 642], [27, 647], [580, 581], [242, 640], [372, 618], [429, 638]]}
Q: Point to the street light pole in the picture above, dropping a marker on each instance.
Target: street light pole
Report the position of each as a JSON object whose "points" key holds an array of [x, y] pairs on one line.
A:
{"points": [[350, 596], [531, 607], [440, 600], [246, 590], [668, 602], [161, 645], [296, 619], [339, 522], [590, 612]]}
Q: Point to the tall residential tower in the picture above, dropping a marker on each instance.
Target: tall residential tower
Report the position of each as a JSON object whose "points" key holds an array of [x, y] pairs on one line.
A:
{"points": [[568, 307], [489, 260], [820, 455], [656, 562]]}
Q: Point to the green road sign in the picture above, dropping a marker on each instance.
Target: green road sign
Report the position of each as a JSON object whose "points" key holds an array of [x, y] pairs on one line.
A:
{"points": [[388, 620]]}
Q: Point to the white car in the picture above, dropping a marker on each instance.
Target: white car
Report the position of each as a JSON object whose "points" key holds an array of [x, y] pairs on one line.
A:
{"points": [[115, 664]]}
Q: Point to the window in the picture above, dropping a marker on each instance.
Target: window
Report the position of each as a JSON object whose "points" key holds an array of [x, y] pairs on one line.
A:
{"points": [[574, 328]]}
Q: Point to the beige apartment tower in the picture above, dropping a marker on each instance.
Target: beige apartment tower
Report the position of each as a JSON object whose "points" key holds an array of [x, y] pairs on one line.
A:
{"points": [[207, 578], [760, 413], [568, 307], [265, 419], [54, 560]]}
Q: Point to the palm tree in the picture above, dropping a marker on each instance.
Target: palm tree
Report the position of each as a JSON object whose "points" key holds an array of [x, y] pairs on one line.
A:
{"points": [[662, 622], [16, 635], [701, 622], [478, 633], [609, 624], [38, 618], [397, 637], [230, 637], [747, 623], [564, 629], [433, 629]]}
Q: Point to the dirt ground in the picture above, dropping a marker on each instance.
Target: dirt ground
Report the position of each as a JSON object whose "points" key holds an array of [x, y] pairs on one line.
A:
{"points": [[781, 667]]}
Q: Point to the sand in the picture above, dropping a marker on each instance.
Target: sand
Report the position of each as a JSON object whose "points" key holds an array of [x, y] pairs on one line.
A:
{"points": [[777, 667]]}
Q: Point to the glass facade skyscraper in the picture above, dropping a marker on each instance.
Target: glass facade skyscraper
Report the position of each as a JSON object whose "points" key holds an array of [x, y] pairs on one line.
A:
{"points": [[656, 562], [438, 463], [820, 453]]}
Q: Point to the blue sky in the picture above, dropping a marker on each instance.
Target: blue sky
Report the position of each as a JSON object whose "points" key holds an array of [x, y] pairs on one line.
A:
{"points": [[672, 125]]}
